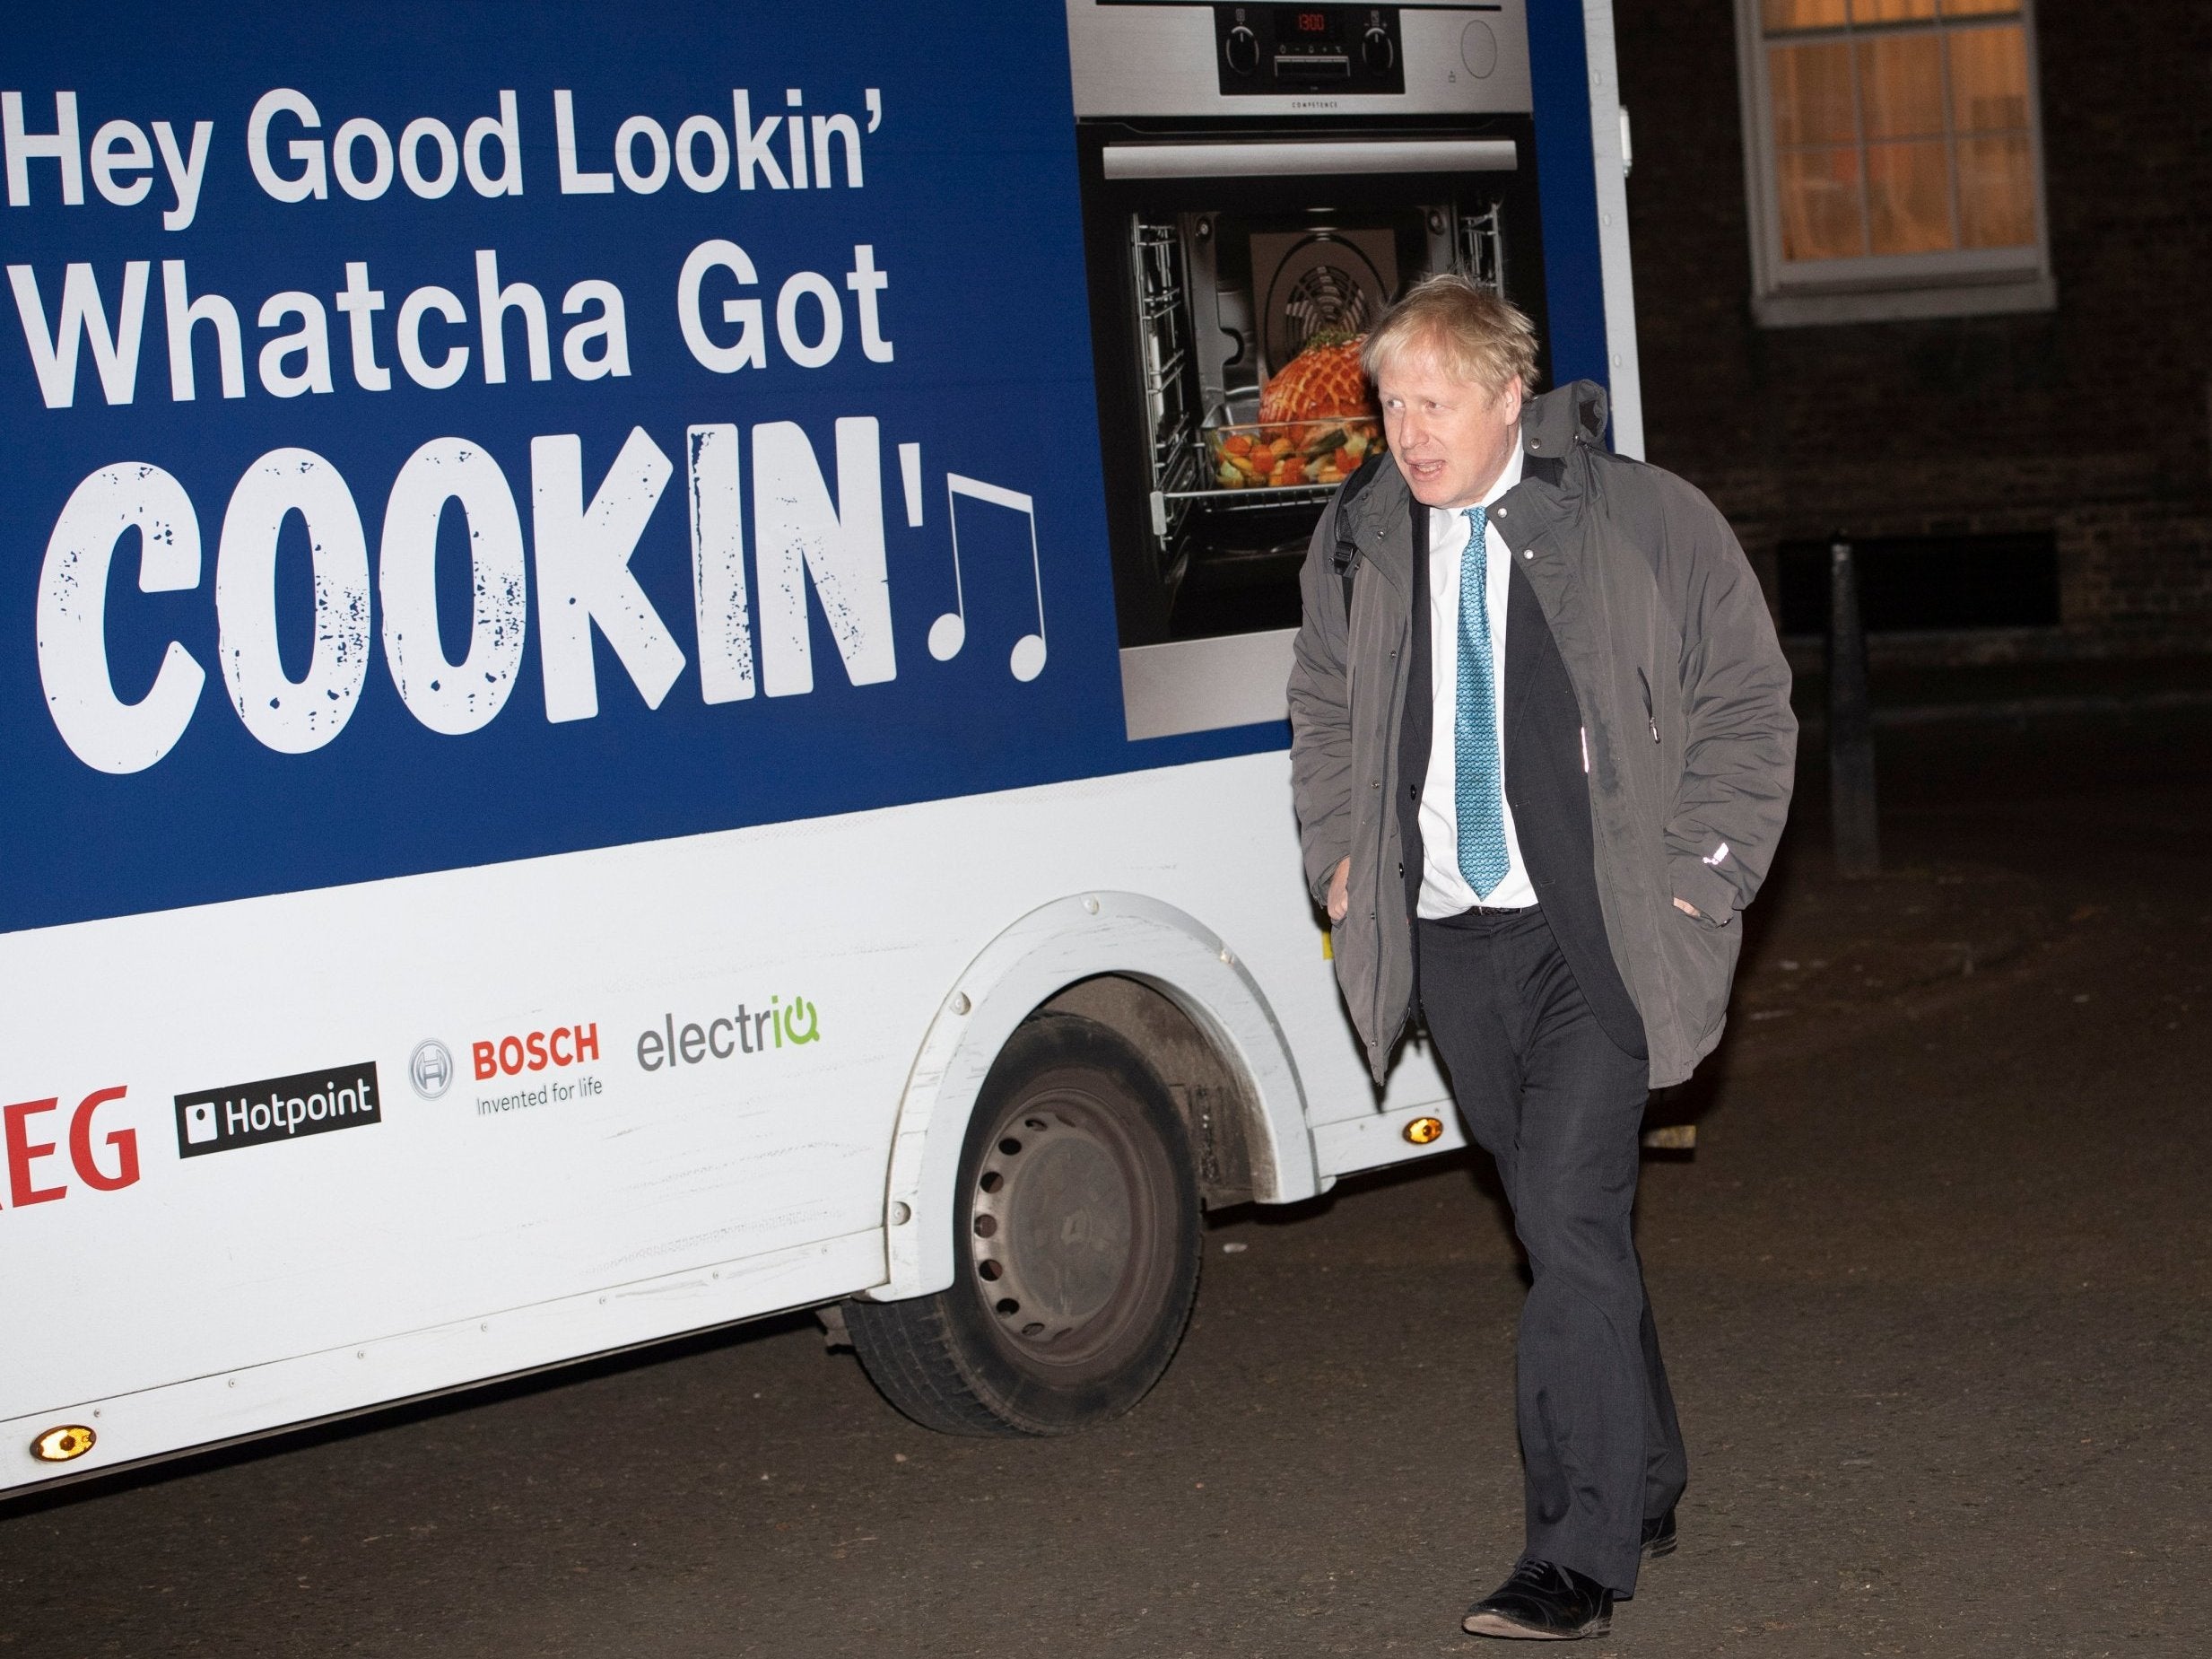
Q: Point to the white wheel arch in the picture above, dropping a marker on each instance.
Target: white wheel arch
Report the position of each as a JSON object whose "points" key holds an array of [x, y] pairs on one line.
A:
{"points": [[1055, 945]]}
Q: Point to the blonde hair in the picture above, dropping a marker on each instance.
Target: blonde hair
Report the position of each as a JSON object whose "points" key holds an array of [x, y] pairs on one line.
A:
{"points": [[1474, 334]]}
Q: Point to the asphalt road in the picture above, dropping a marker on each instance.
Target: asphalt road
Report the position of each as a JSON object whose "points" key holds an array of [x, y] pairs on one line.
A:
{"points": [[1933, 1289]]}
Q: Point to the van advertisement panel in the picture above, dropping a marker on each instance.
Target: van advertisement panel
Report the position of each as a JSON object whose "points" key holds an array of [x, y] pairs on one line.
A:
{"points": [[437, 436]]}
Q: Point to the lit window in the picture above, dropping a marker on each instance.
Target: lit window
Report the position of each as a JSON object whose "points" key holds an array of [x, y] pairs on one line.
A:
{"points": [[1894, 159]]}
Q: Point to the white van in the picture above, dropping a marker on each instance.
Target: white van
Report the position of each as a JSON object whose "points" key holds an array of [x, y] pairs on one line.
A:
{"points": [[647, 672]]}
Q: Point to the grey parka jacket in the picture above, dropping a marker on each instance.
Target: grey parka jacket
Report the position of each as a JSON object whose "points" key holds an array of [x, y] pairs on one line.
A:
{"points": [[1684, 696]]}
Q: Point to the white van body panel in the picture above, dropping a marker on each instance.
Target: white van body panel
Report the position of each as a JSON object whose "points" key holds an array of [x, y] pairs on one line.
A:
{"points": [[659, 1199]]}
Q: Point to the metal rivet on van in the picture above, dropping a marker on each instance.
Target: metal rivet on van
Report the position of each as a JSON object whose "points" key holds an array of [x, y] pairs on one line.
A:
{"points": [[1091, 905], [901, 1215], [961, 1004]]}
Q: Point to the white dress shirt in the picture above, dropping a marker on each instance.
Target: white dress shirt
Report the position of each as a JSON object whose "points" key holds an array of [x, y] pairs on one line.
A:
{"points": [[1444, 891]]}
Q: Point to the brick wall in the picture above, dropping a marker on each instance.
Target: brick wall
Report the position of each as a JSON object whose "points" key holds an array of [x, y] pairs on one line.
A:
{"points": [[2093, 420]]}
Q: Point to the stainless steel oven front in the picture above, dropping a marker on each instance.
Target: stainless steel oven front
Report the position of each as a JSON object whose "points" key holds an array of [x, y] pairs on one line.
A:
{"points": [[1260, 181]]}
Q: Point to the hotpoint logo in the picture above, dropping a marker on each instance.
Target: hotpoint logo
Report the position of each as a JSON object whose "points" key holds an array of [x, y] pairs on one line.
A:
{"points": [[250, 1114]]}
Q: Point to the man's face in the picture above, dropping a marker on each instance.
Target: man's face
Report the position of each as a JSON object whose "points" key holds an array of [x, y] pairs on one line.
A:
{"points": [[1451, 438]]}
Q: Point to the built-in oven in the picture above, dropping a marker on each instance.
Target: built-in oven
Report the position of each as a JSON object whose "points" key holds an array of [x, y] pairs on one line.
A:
{"points": [[1259, 183]]}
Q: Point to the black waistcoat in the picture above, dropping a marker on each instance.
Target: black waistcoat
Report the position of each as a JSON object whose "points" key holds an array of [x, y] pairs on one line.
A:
{"points": [[1545, 783]]}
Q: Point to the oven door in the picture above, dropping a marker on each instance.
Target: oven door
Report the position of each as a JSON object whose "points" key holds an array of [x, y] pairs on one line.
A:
{"points": [[1218, 254]]}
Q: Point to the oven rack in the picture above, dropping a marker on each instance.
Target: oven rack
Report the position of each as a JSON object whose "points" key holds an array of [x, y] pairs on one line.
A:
{"points": [[1252, 496], [1245, 496], [1184, 461]]}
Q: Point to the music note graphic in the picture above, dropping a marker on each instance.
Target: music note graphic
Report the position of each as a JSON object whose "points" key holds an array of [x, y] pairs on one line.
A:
{"points": [[949, 632]]}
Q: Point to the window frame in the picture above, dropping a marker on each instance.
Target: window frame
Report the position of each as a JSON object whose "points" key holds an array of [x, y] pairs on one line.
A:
{"points": [[1958, 281]]}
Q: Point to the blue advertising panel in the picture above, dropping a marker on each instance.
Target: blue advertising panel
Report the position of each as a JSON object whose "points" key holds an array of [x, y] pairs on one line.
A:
{"points": [[441, 434], [1573, 271]]}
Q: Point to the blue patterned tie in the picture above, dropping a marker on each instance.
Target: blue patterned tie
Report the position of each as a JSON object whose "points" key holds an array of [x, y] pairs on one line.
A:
{"points": [[1475, 730]]}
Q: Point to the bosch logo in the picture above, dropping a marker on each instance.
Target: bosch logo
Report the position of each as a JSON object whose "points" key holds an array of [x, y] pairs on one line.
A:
{"points": [[430, 1069], [563, 1046]]}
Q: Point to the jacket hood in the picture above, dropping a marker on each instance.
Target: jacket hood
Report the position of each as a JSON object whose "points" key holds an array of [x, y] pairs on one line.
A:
{"points": [[1550, 423]]}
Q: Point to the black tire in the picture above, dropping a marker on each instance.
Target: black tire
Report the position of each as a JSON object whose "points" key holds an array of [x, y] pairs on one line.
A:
{"points": [[1076, 1239]]}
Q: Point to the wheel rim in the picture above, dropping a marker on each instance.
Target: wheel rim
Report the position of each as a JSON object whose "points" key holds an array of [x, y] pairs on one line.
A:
{"points": [[1055, 1210]]}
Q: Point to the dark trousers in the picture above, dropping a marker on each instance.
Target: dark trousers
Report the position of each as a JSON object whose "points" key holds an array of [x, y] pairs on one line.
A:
{"points": [[1558, 1103]]}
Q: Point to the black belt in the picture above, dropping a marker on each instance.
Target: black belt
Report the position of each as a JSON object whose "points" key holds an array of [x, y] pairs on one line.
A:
{"points": [[1480, 912]]}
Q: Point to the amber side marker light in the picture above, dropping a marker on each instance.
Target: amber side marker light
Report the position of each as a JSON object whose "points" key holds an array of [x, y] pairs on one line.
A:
{"points": [[1421, 1130], [62, 1444]]}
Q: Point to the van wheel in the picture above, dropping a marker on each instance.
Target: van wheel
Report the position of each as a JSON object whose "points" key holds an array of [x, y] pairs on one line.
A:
{"points": [[1077, 1244]]}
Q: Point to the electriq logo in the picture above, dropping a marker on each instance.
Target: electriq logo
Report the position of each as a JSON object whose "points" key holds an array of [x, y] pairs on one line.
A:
{"points": [[747, 1031], [251, 1114], [103, 1172]]}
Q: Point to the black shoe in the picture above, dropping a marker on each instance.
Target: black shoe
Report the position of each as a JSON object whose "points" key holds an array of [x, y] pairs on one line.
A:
{"points": [[1658, 1536], [1542, 1603]]}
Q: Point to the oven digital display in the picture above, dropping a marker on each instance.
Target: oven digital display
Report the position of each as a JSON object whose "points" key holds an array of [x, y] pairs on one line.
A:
{"points": [[1307, 48]]}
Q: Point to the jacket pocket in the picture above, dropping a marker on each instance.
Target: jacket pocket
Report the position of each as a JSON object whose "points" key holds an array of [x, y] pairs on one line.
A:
{"points": [[1701, 885], [1701, 967]]}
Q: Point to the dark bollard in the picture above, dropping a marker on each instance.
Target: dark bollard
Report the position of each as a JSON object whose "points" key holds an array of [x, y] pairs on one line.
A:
{"points": [[1850, 723]]}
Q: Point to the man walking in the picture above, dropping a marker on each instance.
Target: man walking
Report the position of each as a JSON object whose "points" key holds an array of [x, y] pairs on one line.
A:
{"points": [[1542, 752]]}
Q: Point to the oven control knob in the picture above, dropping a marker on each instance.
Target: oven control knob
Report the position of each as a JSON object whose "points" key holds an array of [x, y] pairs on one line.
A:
{"points": [[1378, 51], [1478, 49], [1241, 49]]}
